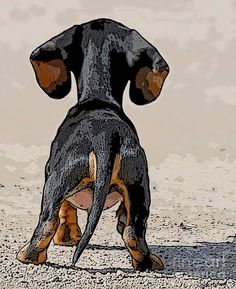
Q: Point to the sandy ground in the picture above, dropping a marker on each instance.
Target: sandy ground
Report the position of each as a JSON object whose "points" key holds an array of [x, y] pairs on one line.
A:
{"points": [[191, 225]]}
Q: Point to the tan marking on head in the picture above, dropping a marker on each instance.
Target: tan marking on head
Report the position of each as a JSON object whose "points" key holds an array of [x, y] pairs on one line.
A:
{"points": [[50, 74], [141, 77], [150, 82], [155, 81]]}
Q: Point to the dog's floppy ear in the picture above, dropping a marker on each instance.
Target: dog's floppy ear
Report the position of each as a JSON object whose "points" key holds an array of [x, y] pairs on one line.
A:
{"points": [[51, 63], [148, 70]]}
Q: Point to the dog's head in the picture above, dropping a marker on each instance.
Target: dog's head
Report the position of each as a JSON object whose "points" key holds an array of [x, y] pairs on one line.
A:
{"points": [[144, 66]]}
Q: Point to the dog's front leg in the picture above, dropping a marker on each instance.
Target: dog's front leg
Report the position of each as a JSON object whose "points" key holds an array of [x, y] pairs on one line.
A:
{"points": [[35, 251]]}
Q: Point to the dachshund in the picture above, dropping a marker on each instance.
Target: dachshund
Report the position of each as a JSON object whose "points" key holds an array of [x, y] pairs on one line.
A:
{"points": [[96, 159]]}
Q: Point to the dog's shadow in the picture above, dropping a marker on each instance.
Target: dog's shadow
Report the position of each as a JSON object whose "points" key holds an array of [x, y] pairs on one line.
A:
{"points": [[203, 260]]}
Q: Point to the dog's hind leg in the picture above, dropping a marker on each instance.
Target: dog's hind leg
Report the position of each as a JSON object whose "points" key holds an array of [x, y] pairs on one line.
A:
{"points": [[137, 207], [121, 216], [68, 232], [133, 214]]}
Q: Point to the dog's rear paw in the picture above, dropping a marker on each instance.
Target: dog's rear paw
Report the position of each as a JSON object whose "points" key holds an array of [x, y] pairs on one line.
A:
{"points": [[67, 235], [150, 261], [31, 254]]}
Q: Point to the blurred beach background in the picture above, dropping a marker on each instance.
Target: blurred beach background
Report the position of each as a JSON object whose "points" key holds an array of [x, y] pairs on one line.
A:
{"points": [[196, 112]]}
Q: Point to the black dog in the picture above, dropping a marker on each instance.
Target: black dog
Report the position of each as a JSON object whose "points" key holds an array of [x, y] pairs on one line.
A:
{"points": [[96, 159]]}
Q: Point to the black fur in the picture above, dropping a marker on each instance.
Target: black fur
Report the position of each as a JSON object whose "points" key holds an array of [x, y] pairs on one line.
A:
{"points": [[103, 55]]}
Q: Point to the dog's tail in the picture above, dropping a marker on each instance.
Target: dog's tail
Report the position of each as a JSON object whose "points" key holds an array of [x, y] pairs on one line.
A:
{"points": [[105, 155]]}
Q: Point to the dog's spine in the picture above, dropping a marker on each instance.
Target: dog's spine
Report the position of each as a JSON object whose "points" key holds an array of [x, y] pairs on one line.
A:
{"points": [[105, 156]]}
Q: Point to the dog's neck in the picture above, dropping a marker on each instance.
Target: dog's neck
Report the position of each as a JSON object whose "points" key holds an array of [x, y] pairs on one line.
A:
{"points": [[94, 86], [97, 80]]}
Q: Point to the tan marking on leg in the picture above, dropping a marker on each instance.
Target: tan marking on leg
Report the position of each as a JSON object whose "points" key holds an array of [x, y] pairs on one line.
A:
{"points": [[67, 214], [48, 233], [116, 168], [142, 259], [92, 165], [29, 254], [68, 232], [129, 235], [37, 253], [153, 262], [136, 249], [124, 192]]}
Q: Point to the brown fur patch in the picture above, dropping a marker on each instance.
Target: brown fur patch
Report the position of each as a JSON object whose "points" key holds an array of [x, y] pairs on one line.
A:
{"points": [[141, 76], [137, 255], [68, 232], [116, 168], [50, 74], [29, 254], [92, 165], [36, 253], [153, 262], [150, 82], [67, 235], [125, 194], [67, 214], [155, 81], [48, 233]]}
